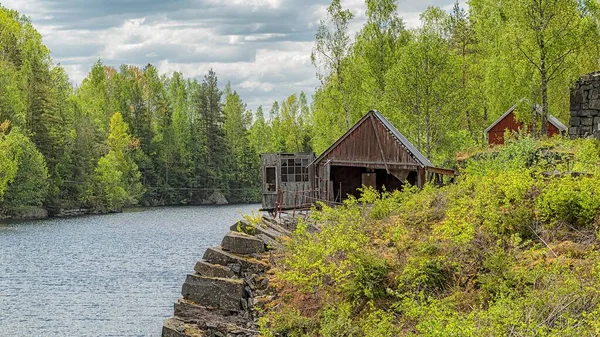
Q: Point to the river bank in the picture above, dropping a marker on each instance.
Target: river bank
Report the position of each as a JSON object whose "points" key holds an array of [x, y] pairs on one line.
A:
{"points": [[229, 287], [37, 213]]}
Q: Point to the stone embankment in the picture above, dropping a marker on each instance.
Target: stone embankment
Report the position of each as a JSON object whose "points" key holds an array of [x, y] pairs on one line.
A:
{"points": [[229, 285]]}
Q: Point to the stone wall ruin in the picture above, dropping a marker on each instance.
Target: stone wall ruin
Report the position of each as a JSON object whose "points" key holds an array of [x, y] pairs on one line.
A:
{"points": [[585, 107]]}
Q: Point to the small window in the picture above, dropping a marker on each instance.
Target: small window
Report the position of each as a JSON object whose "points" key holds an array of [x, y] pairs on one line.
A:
{"points": [[271, 181], [294, 170]]}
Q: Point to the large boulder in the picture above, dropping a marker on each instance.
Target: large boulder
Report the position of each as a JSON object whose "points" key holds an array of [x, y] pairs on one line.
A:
{"points": [[240, 243], [217, 198], [214, 292]]}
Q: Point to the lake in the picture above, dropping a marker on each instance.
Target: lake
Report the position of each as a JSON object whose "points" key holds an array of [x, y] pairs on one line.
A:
{"points": [[103, 275]]}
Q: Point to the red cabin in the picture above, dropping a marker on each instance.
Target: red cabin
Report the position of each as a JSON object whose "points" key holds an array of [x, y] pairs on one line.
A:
{"points": [[495, 132]]}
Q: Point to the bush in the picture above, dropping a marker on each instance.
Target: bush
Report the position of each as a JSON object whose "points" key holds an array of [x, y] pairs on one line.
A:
{"points": [[569, 200]]}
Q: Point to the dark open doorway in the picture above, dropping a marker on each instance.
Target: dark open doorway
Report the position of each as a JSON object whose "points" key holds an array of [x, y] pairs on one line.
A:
{"points": [[348, 179]]}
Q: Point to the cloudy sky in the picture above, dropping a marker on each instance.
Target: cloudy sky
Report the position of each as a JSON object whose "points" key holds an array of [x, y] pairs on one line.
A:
{"points": [[262, 46]]}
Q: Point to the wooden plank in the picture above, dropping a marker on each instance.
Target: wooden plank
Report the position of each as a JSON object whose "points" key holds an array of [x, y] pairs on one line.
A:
{"points": [[379, 145]]}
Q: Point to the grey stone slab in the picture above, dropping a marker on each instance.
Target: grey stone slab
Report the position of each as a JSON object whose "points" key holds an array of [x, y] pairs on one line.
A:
{"points": [[214, 292], [216, 255], [205, 268], [240, 243], [575, 121], [269, 241], [595, 104]]}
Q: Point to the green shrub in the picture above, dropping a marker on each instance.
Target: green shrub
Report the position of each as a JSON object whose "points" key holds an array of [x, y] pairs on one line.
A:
{"points": [[337, 321], [285, 322], [368, 279], [569, 200]]}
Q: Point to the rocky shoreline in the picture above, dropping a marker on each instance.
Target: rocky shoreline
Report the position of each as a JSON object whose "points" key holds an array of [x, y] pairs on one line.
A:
{"points": [[229, 286]]}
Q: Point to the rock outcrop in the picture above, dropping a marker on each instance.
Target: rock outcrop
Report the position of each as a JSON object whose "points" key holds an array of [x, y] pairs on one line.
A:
{"points": [[31, 212], [216, 198], [220, 297]]}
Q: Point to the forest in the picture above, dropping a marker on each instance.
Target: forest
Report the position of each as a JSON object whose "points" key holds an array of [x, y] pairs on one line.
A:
{"points": [[131, 135]]}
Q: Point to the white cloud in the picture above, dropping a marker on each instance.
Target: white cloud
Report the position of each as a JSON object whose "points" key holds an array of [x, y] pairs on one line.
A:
{"points": [[262, 46]]}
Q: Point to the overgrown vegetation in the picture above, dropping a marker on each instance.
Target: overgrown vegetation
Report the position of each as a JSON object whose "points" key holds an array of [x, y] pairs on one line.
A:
{"points": [[510, 249]]}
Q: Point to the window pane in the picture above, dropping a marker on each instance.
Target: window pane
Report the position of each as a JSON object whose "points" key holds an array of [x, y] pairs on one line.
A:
{"points": [[270, 175]]}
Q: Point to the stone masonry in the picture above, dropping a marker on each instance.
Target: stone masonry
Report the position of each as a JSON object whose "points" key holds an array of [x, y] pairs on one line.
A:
{"points": [[585, 107], [223, 296]]}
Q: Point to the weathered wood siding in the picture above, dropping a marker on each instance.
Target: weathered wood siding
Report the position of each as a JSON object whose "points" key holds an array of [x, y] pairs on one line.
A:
{"points": [[293, 183], [362, 148]]}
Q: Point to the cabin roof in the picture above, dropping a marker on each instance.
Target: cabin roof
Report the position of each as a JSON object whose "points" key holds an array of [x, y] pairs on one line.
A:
{"points": [[399, 137], [553, 120]]}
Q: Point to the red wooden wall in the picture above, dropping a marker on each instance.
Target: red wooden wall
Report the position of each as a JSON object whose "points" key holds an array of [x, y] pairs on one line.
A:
{"points": [[496, 134]]}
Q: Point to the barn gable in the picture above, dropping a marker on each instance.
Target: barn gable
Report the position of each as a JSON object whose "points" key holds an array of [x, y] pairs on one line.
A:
{"points": [[374, 142], [508, 121]]}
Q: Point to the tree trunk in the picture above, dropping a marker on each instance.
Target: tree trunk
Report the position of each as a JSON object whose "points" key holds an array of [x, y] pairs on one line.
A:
{"points": [[534, 123], [342, 92], [544, 87]]}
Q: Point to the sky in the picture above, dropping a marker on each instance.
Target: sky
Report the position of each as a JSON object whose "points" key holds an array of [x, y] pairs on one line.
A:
{"points": [[261, 46]]}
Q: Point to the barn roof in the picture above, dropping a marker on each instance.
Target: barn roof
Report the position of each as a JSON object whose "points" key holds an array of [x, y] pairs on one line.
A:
{"points": [[399, 137], [560, 126], [553, 120]]}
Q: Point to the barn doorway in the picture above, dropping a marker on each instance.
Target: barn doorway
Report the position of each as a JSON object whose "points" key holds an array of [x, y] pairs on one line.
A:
{"points": [[346, 180]]}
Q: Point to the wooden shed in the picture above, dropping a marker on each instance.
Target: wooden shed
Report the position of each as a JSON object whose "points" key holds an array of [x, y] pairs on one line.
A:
{"points": [[508, 121], [372, 153], [286, 181]]}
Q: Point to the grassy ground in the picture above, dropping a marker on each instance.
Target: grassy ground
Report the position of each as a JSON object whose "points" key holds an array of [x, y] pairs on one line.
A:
{"points": [[508, 250]]}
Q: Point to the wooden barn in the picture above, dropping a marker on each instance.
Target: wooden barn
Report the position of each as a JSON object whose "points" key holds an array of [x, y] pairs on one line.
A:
{"points": [[372, 153], [286, 181], [508, 121]]}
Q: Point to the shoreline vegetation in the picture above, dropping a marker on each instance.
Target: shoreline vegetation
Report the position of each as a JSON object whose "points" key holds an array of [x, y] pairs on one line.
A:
{"points": [[510, 249], [38, 213]]}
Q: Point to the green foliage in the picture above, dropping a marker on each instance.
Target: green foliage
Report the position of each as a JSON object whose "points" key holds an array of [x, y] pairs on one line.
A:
{"points": [[117, 176], [337, 322], [24, 173], [510, 248], [570, 200], [8, 163], [326, 258], [289, 322]]}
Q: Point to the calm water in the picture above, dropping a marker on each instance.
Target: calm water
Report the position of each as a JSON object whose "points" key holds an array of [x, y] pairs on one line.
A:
{"points": [[107, 275]]}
